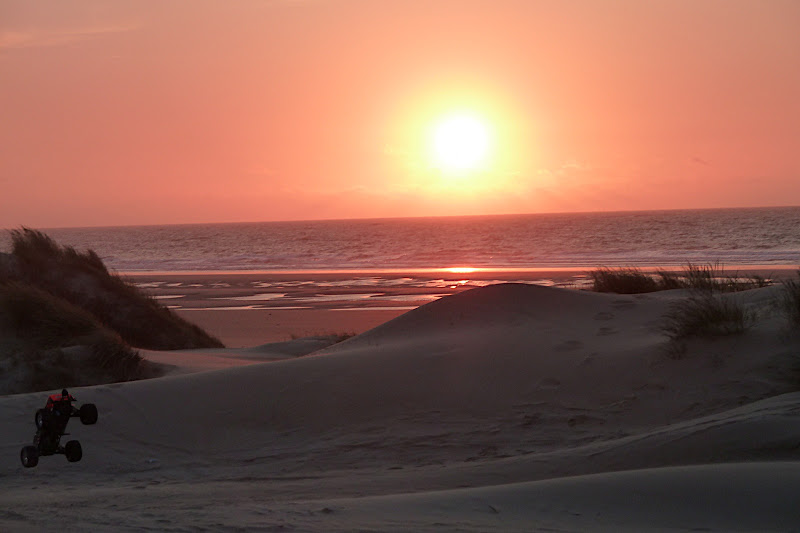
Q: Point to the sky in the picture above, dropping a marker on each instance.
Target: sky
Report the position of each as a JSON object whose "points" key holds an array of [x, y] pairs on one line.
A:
{"points": [[176, 111]]}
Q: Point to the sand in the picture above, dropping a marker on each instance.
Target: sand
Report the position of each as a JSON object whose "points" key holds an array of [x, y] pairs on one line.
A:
{"points": [[509, 407], [241, 308], [242, 328]]}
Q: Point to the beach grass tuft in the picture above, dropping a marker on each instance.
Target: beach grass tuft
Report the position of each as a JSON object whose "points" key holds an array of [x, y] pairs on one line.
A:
{"points": [[713, 277], [710, 277], [39, 317], [790, 301], [623, 281], [343, 336], [333, 337], [704, 314], [34, 248], [49, 343]]}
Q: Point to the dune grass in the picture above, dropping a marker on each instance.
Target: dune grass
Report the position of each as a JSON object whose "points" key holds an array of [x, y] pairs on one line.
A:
{"points": [[35, 249], [710, 277], [48, 343], [37, 316], [65, 320], [790, 301], [333, 336], [703, 314], [83, 280], [623, 281]]}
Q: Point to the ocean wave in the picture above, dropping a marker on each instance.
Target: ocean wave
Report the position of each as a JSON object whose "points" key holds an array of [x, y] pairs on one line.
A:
{"points": [[765, 236]]}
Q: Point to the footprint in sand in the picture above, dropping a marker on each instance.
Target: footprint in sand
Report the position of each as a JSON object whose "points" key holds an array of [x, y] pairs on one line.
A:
{"points": [[623, 304], [607, 331], [569, 346], [604, 316], [584, 419], [548, 384]]}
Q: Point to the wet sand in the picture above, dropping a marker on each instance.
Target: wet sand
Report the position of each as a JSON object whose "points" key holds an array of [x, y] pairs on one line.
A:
{"points": [[251, 308]]}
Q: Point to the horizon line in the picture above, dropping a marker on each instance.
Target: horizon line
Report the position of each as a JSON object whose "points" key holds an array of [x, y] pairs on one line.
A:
{"points": [[421, 217]]}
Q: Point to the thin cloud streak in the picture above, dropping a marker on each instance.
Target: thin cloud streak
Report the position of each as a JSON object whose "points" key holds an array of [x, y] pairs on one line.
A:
{"points": [[40, 38]]}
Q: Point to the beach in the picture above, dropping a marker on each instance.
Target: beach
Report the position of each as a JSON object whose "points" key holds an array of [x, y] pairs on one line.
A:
{"points": [[245, 309], [248, 309], [392, 266], [466, 401]]}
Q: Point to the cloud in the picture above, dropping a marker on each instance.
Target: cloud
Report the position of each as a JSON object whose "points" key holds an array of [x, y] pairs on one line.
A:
{"points": [[40, 38]]}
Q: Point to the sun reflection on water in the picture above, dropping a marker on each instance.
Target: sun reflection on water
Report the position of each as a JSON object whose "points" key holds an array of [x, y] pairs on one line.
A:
{"points": [[461, 270]]}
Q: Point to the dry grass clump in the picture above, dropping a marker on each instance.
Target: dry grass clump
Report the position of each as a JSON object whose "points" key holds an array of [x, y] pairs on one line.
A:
{"points": [[48, 343], [790, 301], [84, 281], [332, 337], [704, 314], [36, 250], [710, 277], [623, 281], [66, 321], [37, 317], [713, 277]]}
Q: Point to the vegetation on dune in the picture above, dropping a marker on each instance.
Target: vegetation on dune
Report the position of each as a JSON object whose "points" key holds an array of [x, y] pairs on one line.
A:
{"points": [[84, 281], [704, 314], [710, 277], [333, 337], [36, 316], [48, 343], [65, 320], [623, 281], [790, 301], [36, 250], [713, 277]]}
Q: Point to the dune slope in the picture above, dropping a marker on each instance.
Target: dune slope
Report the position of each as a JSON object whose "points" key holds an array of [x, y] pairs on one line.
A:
{"points": [[495, 390]]}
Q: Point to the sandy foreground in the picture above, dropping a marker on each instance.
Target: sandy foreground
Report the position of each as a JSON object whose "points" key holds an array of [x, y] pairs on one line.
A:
{"points": [[507, 407]]}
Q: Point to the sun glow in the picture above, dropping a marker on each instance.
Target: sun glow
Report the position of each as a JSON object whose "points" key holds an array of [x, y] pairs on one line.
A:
{"points": [[460, 148], [460, 143], [461, 270]]}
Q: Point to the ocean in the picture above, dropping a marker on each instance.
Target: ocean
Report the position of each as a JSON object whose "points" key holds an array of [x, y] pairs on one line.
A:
{"points": [[731, 237]]}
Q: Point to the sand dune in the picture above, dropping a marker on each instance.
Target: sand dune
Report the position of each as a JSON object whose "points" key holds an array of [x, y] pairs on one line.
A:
{"points": [[510, 408], [729, 497]]}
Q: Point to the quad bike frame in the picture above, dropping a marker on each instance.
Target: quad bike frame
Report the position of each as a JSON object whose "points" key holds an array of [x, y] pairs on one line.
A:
{"points": [[51, 424]]}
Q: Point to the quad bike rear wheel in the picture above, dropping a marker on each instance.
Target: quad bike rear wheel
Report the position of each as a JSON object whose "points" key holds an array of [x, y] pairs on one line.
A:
{"points": [[88, 413], [29, 456], [73, 451], [40, 414]]}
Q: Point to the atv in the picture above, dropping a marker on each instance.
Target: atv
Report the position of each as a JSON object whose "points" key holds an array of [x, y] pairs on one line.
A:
{"points": [[51, 423]]}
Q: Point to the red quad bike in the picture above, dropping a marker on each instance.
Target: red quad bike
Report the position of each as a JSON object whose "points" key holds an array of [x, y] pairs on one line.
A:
{"points": [[51, 423]]}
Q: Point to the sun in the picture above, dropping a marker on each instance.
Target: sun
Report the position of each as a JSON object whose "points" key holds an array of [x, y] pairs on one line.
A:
{"points": [[460, 143]]}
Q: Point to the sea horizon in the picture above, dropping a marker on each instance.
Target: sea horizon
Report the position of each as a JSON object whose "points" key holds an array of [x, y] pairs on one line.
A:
{"points": [[761, 236], [392, 218]]}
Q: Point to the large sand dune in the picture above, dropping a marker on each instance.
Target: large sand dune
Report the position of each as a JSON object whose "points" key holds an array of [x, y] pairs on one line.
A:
{"points": [[510, 407]]}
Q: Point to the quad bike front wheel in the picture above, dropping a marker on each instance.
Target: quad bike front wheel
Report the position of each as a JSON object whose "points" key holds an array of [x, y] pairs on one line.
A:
{"points": [[29, 456], [88, 413], [73, 451], [40, 414]]}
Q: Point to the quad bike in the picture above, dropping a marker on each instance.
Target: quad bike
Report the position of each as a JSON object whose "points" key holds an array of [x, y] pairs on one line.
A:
{"points": [[51, 423]]}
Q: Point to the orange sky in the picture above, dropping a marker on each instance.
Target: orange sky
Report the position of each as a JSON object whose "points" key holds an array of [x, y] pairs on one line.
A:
{"points": [[132, 112]]}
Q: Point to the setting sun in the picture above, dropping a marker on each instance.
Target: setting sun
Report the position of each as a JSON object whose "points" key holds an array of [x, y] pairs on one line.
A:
{"points": [[460, 143]]}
